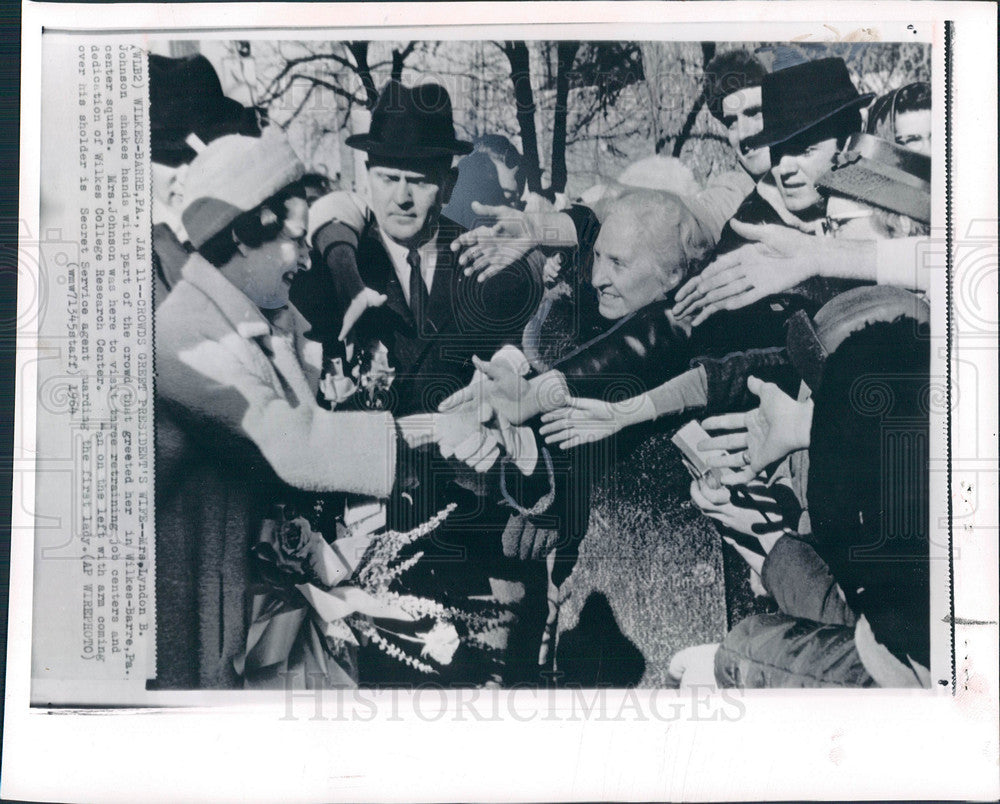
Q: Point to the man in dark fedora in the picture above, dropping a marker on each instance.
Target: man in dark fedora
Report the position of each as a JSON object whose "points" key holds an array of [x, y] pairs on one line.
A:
{"points": [[432, 320], [809, 112]]}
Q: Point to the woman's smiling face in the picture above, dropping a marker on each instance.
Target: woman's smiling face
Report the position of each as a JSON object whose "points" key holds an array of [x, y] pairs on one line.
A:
{"points": [[625, 275], [267, 270]]}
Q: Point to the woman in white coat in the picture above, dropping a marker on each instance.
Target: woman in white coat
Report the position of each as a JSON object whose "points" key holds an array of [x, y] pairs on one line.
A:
{"points": [[236, 414]]}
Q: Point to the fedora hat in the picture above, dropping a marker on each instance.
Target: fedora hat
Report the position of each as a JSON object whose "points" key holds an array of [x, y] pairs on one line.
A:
{"points": [[411, 122], [797, 98], [882, 174], [811, 341], [233, 175], [186, 97]]}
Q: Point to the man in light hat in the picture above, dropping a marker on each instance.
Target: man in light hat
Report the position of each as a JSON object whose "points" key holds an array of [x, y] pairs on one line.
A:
{"points": [[237, 418]]}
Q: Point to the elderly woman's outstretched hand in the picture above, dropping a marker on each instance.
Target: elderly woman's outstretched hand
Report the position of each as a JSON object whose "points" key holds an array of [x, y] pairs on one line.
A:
{"points": [[583, 421]]}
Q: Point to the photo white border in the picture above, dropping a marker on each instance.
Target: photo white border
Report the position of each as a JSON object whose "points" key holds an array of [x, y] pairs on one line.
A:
{"points": [[875, 744]]}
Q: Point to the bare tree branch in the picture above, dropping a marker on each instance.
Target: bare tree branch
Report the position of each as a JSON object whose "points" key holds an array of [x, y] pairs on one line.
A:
{"points": [[359, 50], [300, 107], [334, 88], [520, 76], [565, 54], [293, 62], [707, 53], [399, 60]]}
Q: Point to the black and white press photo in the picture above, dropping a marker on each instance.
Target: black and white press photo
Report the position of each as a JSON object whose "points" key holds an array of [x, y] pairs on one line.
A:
{"points": [[549, 363], [495, 376]]}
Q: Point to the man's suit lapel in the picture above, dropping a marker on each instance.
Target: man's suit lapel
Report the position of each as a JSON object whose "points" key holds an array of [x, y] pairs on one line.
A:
{"points": [[440, 304], [378, 273], [411, 349]]}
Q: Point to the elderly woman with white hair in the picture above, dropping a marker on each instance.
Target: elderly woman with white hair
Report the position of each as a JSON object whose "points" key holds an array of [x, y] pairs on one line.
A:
{"points": [[649, 244]]}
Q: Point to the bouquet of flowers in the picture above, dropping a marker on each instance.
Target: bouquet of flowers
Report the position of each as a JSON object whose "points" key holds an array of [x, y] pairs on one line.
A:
{"points": [[325, 598], [361, 374]]}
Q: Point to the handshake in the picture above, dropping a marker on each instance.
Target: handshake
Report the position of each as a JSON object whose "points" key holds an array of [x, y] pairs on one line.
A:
{"points": [[475, 424]]}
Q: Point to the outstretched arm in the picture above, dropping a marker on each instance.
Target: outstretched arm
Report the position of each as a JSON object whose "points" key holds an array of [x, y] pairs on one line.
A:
{"points": [[487, 250], [306, 446], [335, 223], [755, 440], [777, 259]]}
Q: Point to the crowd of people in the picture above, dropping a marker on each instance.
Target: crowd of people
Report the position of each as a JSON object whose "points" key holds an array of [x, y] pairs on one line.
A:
{"points": [[386, 352]]}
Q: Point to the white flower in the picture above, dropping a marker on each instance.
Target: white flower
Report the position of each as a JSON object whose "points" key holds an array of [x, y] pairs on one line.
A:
{"points": [[337, 389], [440, 643]]}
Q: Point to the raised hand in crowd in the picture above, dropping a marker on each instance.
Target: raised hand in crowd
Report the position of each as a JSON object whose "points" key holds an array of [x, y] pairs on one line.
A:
{"points": [[583, 421], [761, 512], [777, 259], [758, 438], [487, 250], [461, 434], [497, 387]]}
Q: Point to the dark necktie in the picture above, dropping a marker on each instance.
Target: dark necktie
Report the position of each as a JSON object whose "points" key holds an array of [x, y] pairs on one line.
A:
{"points": [[418, 290]]}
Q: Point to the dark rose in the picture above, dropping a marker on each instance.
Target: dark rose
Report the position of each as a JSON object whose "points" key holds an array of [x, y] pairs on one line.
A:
{"points": [[295, 538], [287, 545]]}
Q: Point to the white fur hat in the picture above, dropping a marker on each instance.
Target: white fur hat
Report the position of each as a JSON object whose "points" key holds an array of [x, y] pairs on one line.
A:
{"points": [[233, 175]]}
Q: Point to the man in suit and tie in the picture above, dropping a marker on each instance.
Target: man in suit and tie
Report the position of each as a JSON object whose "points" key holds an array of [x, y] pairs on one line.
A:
{"points": [[433, 319]]}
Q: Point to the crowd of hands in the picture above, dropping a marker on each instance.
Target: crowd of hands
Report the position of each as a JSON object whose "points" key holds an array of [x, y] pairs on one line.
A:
{"points": [[475, 424], [776, 259]]}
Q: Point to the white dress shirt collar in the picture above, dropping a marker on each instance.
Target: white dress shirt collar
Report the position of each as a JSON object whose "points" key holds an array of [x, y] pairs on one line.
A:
{"points": [[398, 254]]}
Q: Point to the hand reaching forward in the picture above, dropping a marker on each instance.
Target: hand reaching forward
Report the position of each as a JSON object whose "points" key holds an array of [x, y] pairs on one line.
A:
{"points": [[487, 250], [761, 512], [777, 258], [459, 433], [583, 421], [759, 437], [495, 388], [365, 299]]}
